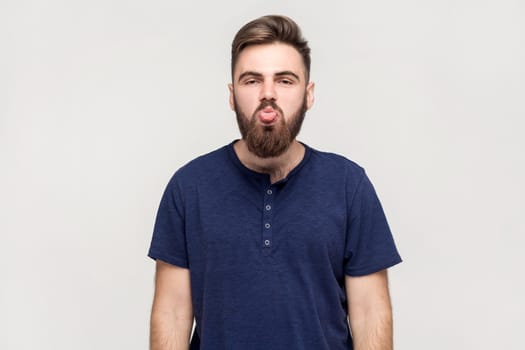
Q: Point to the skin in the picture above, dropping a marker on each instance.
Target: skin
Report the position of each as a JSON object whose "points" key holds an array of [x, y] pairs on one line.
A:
{"points": [[172, 311], [370, 311], [274, 72]]}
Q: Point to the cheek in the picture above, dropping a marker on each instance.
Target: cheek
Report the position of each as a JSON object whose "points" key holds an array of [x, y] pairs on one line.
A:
{"points": [[291, 102], [246, 101]]}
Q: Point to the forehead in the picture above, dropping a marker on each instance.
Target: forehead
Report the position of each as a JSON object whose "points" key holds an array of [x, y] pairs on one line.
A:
{"points": [[268, 59]]}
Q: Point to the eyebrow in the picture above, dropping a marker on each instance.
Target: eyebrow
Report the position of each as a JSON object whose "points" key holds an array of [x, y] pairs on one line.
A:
{"points": [[278, 74], [287, 73]]}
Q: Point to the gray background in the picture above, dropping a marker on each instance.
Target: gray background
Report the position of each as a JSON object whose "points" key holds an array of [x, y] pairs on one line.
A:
{"points": [[100, 102]]}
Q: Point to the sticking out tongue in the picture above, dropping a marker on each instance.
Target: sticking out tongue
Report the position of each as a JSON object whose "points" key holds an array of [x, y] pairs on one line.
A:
{"points": [[268, 115]]}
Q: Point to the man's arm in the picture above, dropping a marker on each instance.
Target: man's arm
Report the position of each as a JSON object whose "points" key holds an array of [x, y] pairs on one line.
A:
{"points": [[172, 311], [370, 311]]}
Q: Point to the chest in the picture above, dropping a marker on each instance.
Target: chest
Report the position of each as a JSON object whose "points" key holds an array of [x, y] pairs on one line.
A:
{"points": [[237, 229]]}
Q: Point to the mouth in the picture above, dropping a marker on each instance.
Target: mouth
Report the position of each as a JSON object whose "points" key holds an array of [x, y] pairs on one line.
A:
{"points": [[268, 115]]}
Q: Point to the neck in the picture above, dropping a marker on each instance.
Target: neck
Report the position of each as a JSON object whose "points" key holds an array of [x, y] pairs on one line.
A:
{"points": [[277, 167]]}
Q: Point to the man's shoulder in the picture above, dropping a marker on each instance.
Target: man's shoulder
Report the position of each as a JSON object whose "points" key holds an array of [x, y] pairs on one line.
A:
{"points": [[205, 165], [335, 163]]}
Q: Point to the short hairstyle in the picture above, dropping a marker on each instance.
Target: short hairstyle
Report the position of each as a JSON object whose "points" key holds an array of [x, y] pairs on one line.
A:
{"points": [[267, 30]]}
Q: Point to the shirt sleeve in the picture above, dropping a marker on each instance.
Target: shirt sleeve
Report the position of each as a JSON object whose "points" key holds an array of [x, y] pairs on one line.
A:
{"points": [[369, 246], [169, 237]]}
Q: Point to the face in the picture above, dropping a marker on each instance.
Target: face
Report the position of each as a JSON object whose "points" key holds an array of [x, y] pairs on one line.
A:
{"points": [[270, 96]]}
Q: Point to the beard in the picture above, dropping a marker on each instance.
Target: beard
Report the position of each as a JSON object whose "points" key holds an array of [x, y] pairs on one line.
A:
{"points": [[267, 141]]}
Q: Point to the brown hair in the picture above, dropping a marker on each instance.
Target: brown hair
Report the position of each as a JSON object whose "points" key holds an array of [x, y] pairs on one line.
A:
{"points": [[270, 29]]}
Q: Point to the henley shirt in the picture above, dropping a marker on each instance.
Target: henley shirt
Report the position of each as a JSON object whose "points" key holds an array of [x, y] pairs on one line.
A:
{"points": [[268, 261]]}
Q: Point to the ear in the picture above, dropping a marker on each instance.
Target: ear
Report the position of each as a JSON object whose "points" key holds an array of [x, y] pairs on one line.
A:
{"points": [[310, 94], [232, 104]]}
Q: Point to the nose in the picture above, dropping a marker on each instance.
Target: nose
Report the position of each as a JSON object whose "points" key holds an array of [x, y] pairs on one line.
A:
{"points": [[268, 91]]}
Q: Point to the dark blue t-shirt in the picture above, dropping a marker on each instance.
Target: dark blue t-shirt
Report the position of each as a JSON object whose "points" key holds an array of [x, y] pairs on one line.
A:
{"points": [[268, 261]]}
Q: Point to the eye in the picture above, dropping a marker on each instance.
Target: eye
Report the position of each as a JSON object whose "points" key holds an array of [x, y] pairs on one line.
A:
{"points": [[286, 81], [250, 82]]}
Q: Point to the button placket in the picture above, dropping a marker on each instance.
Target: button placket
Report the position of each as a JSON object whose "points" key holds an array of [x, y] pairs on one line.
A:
{"points": [[267, 218]]}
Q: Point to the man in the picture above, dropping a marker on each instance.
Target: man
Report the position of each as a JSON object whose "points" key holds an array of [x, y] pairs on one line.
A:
{"points": [[267, 242]]}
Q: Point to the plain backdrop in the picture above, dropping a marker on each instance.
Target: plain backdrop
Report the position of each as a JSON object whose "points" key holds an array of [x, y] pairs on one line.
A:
{"points": [[102, 100]]}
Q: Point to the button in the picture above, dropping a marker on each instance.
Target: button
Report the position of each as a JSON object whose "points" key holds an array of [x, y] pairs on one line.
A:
{"points": [[268, 207], [267, 243], [267, 225], [269, 192]]}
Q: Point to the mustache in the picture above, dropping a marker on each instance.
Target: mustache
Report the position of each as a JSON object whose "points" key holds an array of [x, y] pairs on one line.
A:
{"points": [[269, 103]]}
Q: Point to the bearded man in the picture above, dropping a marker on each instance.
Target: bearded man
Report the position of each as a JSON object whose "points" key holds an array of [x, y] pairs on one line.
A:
{"points": [[266, 242]]}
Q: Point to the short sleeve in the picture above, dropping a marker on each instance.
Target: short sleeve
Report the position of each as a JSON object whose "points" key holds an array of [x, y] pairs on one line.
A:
{"points": [[169, 237], [369, 246]]}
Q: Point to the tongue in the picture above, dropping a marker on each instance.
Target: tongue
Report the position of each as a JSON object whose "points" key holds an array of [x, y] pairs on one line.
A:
{"points": [[267, 116]]}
